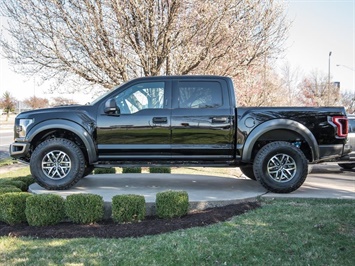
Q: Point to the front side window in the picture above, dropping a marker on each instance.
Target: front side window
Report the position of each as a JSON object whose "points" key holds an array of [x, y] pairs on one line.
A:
{"points": [[141, 96], [199, 94]]}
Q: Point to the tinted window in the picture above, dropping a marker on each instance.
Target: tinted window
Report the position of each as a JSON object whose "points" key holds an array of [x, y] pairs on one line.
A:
{"points": [[199, 95], [351, 125], [141, 96]]}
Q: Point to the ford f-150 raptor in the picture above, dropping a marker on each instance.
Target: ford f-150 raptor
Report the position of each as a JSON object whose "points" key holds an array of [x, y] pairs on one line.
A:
{"points": [[178, 121]]}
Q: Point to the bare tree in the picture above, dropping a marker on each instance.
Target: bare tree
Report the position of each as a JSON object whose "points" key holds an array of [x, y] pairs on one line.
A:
{"points": [[290, 80], [260, 85], [8, 103], [60, 101], [36, 102], [107, 42], [315, 91], [348, 101]]}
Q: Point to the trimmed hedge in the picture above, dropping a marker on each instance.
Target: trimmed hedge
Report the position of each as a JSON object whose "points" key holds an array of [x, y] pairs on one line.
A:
{"points": [[44, 209], [84, 208], [28, 180], [12, 207], [128, 208], [131, 170], [158, 170], [16, 183], [110, 170], [8, 188], [171, 204]]}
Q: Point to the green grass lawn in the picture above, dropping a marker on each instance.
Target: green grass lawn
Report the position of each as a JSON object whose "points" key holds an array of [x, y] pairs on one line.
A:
{"points": [[6, 161], [282, 232]]}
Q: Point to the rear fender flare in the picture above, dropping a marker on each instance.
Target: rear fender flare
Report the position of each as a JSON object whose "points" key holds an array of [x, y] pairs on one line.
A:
{"points": [[283, 124]]}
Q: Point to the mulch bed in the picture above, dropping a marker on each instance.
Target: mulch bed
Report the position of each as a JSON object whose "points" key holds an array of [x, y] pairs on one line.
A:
{"points": [[150, 226]]}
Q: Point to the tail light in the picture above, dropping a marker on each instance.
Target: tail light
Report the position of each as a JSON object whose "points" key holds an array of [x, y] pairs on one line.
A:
{"points": [[341, 123]]}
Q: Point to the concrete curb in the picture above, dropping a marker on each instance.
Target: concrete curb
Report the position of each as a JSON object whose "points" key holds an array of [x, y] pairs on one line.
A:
{"points": [[204, 191]]}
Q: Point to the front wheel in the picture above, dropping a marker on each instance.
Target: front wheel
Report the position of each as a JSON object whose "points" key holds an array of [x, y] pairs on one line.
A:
{"points": [[57, 164], [280, 167]]}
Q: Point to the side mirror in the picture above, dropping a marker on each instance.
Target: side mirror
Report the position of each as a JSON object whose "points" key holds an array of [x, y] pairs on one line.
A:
{"points": [[111, 107]]}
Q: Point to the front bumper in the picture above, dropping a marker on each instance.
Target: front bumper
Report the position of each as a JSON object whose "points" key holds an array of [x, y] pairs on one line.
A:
{"points": [[19, 149]]}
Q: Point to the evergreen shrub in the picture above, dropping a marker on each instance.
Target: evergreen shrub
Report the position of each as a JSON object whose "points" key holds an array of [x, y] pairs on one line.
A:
{"points": [[131, 170], [44, 209], [110, 170], [12, 207], [8, 188], [128, 208], [16, 183], [171, 204], [158, 170], [84, 208], [28, 180]]}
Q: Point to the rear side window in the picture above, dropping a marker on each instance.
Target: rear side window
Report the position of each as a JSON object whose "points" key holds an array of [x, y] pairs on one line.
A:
{"points": [[199, 94]]}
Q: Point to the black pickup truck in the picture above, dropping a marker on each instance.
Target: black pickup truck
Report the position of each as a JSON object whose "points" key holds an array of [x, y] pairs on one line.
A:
{"points": [[178, 121]]}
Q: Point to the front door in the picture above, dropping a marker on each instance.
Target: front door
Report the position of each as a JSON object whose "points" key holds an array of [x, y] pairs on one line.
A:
{"points": [[141, 129]]}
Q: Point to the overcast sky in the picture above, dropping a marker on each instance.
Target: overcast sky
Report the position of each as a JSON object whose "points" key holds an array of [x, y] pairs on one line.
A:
{"points": [[319, 27]]}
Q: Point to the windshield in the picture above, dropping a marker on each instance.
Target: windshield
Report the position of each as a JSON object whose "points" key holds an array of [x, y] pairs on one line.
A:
{"points": [[99, 98], [105, 94]]}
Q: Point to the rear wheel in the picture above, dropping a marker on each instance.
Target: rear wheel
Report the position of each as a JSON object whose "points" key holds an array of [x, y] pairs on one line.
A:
{"points": [[248, 171], [57, 164], [280, 167]]}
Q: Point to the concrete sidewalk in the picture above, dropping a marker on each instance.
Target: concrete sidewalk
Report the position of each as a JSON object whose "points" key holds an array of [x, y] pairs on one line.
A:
{"points": [[204, 191], [208, 191], [326, 180]]}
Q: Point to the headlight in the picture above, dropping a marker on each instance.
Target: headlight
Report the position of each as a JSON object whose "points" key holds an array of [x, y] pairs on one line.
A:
{"points": [[21, 128]]}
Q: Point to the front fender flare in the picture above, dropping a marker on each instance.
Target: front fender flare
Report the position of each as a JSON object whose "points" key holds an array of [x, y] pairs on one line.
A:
{"points": [[77, 129], [283, 124]]}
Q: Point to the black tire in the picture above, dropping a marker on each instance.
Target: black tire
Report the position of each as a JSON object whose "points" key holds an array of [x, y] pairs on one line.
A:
{"points": [[248, 171], [347, 166], [57, 164], [280, 167]]}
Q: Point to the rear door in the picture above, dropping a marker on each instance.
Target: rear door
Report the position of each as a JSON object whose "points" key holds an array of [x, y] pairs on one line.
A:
{"points": [[201, 120]]}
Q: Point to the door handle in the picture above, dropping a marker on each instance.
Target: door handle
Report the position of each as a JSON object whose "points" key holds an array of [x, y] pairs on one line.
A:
{"points": [[160, 120], [219, 119]]}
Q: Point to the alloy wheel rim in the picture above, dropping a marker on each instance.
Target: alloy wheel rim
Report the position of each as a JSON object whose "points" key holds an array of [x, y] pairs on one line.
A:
{"points": [[56, 164], [282, 168]]}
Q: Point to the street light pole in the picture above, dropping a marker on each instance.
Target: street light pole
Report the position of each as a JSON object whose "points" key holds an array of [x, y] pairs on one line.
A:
{"points": [[330, 53], [346, 67]]}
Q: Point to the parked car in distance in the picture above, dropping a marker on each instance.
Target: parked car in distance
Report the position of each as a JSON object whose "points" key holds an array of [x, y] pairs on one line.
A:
{"points": [[351, 139]]}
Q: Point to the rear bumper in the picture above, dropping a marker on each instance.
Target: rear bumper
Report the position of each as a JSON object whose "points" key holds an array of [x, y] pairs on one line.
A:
{"points": [[334, 152], [347, 158]]}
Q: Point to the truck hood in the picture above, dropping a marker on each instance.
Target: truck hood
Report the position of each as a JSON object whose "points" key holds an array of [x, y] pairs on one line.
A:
{"points": [[57, 109]]}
